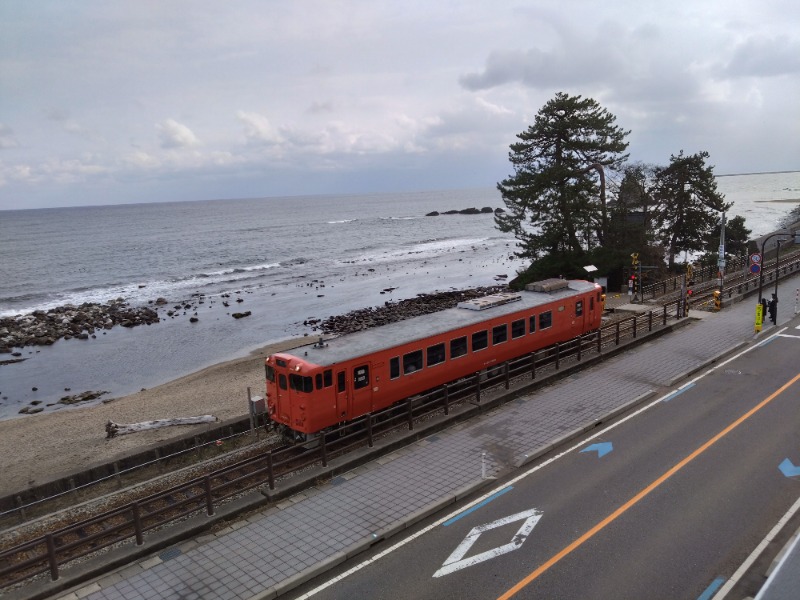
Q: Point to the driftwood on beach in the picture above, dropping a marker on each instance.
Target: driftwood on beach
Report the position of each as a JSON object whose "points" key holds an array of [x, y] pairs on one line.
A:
{"points": [[115, 429]]}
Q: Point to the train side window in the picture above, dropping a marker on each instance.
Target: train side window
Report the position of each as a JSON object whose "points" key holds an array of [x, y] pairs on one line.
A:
{"points": [[412, 361], [480, 340], [579, 308], [394, 367], [328, 377], [545, 320], [282, 381], [458, 347], [319, 381], [499, 334], [361, 377], [517, 329], [270, 373], [340, 382], [435, 354], [532, 324]]}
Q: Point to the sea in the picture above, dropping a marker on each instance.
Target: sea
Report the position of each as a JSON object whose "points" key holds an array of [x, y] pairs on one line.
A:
{"points": [[290, 260]]}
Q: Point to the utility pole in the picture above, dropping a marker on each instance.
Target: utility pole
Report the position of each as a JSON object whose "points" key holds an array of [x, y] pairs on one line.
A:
{"points": [[721, 259]]}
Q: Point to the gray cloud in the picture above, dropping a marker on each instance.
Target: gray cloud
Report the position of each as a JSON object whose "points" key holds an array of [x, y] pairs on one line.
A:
{"points": [[7, 139], [764, 56]]}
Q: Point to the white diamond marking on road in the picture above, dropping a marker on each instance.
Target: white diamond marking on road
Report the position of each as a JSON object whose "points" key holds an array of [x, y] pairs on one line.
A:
{"points": [[456, 560]]}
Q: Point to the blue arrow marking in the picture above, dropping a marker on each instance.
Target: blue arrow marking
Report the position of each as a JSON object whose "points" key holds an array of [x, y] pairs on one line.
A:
{"points": [[788, 469], [601, 449]]}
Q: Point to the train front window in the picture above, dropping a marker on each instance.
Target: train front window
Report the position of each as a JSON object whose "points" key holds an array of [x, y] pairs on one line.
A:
{"points": [[301, 384], [328, 378], [270, 373], [545, 320], [458, 347], [361, 377], [412, 361], [319, 381], [480, 340], [435, 354], [499, 334]]}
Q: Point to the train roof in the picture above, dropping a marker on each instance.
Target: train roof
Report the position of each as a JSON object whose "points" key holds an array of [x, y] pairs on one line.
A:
{"points": [[340, 349]]}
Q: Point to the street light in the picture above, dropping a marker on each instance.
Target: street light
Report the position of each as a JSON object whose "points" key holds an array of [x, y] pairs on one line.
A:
{"points": [[761, 272]]}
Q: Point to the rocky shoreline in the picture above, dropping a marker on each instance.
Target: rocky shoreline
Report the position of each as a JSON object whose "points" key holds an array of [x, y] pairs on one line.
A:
{"points": [[43, 328], [391, 312]]}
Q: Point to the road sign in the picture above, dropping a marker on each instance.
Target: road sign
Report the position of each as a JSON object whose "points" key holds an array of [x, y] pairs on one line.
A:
{"points": [[755, 268], [456, 561], [755, 258], [759, 316]]}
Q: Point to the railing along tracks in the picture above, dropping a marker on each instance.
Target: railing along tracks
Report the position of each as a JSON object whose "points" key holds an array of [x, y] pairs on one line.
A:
{"points": [[204, 494]]}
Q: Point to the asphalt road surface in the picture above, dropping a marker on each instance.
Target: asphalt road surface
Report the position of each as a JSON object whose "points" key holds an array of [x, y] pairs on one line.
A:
{"points": [[666, 503]]}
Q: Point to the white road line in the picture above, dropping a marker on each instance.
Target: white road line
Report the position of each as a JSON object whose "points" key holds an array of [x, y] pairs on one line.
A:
{"points": [[520, 477], [723, 591]]}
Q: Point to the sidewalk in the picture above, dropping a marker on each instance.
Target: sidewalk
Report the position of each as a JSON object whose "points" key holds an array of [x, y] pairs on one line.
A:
{"points": [[277, 549]]}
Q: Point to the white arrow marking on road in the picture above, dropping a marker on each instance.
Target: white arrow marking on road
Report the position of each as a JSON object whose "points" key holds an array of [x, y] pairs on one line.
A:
{"points": [[456, 560]]}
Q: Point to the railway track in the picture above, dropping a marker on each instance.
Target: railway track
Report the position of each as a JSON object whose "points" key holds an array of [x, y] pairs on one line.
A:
{"points": [[42, 548]]}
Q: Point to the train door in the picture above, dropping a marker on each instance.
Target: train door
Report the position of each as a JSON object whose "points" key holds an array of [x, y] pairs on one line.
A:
{"points": [[591, 313], [362, 390], [579, 316], [341, 395]]}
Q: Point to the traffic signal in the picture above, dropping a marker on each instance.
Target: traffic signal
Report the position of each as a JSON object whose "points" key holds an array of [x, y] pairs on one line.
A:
{"points": [[689, 288], [717, 300]]}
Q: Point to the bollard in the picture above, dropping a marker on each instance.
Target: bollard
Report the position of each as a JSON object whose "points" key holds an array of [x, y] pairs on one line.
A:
{"points": [[599, 341], [483, 465], [650, 321], [635, 320]]}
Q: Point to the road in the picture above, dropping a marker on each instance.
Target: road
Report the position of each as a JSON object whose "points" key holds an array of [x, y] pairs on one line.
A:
{"points": [[666, 503]]}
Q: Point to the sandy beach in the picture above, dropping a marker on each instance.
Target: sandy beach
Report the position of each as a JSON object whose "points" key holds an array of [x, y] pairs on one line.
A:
{"points": [[41, 447]]}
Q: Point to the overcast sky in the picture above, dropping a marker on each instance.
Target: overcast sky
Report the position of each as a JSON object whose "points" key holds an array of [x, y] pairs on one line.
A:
{"points": [[103, 102]]}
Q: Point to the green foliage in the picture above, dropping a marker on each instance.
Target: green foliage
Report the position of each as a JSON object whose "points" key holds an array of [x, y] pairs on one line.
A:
{"points": [[554, 202], [688, 204]]}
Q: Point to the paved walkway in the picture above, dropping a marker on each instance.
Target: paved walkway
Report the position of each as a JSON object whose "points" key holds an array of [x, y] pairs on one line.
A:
{"points": [[279, 548]]}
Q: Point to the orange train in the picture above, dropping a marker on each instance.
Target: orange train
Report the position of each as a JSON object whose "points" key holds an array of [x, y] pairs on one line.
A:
{"points": [[330, 382]]}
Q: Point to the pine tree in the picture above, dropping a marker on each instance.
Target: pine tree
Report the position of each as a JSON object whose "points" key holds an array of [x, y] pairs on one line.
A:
{"points": [[688, 204], [555, 199]]}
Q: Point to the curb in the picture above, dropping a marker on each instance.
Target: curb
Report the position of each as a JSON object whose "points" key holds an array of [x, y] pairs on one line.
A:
{"points": [[71, 578]]}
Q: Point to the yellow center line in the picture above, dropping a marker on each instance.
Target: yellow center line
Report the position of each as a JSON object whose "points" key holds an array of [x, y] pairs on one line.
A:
{"points": [[635, 499]]}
